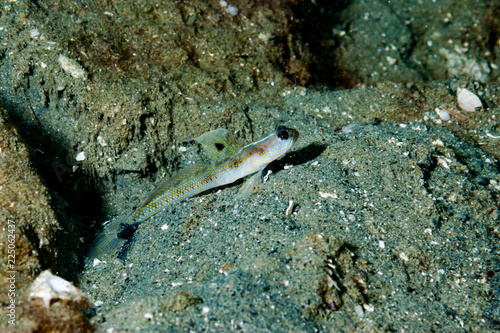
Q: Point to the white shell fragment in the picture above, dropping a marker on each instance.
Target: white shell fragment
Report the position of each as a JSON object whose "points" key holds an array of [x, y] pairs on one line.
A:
{"points": [[468, 101], [289, 210], [443, 114], [71, 67], [101, 141], [50, 287], [328, 195], [97, 262]]}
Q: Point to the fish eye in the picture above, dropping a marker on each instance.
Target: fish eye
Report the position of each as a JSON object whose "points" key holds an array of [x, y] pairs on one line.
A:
{"points": [[282, 133], [219, 146]]}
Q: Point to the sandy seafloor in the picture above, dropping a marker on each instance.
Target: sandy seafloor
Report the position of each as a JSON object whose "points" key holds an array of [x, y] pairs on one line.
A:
{"points": [[383, 236], [394, 224]]}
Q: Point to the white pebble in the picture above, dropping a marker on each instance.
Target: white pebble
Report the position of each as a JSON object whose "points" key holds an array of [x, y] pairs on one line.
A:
{"points": [[391, 60], [80, 156], [443, 161], [369, 307], [97, 262], [444, 115], [264, 37], [101, 141], [34, 33], [359, 311], [438, 142]]}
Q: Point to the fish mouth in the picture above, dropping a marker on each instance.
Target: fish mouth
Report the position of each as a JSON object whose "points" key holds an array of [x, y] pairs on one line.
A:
{"points": [[295, 134], [290, 133]]}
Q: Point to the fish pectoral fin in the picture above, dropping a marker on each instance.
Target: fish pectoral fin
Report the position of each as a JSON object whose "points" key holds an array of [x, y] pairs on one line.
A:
{"points": [[218, 144], [250, 182]]}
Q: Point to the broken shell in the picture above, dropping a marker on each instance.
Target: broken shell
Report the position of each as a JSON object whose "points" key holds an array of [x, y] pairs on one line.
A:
{"points": [[50, 287], [468, 101]]}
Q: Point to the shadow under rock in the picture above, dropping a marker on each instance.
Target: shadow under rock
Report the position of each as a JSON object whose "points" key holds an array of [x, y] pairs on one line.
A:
{"points": [[75, 196]]}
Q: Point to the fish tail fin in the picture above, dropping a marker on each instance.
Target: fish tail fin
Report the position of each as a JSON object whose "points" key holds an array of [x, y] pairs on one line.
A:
{"points": [[107, 242]]}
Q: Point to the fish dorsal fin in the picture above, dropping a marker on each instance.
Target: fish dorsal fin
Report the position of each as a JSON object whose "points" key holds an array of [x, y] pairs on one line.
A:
{"points": [[218, 144]]}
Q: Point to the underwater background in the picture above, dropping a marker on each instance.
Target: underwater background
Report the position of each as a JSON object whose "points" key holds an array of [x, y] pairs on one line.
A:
{"points": [[383, 217]]}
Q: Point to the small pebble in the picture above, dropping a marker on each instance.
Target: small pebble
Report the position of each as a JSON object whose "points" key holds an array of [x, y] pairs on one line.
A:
{"points": [[444, 115], [359, 311], [80, 156]]}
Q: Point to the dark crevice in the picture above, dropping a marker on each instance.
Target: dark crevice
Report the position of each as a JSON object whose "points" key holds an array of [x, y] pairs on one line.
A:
{"points": [[143, 118], [315, 22], [492, 21], [75, 196], [427, 170]]}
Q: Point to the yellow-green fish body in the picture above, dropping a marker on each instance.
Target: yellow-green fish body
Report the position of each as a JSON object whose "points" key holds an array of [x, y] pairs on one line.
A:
{"points": [[229, 165]]}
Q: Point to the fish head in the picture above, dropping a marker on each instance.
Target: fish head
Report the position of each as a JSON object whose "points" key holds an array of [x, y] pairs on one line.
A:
{"points": [[286, 138], [272, 147]]}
